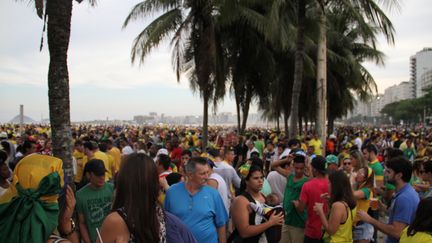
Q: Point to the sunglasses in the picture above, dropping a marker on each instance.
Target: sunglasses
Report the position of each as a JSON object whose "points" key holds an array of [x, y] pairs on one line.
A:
{"points": [[347, 163]]}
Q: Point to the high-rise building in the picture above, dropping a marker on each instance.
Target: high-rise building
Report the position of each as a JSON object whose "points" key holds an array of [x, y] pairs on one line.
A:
{"points": [[398, 92], [420, 68], [426, 79]]}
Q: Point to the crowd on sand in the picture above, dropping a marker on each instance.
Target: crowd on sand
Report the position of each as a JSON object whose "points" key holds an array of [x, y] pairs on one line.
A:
{"points": [[159, 184]]}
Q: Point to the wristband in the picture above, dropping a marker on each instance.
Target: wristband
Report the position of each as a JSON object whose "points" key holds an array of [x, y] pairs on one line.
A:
{"points": [[72, 230]]}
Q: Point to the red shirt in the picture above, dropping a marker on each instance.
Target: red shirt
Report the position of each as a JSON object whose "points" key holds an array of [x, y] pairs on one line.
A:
{"points": [[176, 155], [310, 194]]}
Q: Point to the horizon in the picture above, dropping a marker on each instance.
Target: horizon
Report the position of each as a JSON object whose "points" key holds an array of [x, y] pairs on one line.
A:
{"points": [[104, 83]]}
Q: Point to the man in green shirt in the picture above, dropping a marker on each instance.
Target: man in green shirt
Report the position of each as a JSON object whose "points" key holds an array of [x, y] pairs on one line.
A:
{"points": [[293, 228], [93, 201], [370, 152]]}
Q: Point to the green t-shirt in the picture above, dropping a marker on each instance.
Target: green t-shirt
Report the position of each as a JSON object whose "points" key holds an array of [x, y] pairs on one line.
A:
{"points": [[259, 145], [366, 192], [95, 205], [292, 192], [378, 170], [266, 190]]}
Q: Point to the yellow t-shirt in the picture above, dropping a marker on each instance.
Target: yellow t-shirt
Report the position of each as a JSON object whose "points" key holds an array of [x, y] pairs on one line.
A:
{"points": [[419, 237], [80, 165], [115, 152], [107, 162], [316, 143]]}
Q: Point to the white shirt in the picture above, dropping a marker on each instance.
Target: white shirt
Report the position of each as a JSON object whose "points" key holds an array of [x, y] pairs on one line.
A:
{"points": [[277, 183], [248, 154], [228, 173], [358, 142], [285, 153], [222, 189]]}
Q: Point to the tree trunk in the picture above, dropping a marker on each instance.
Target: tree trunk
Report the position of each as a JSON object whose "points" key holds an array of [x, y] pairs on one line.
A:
{"points": [[300, 124], [237, 100], [277, 124], [298, 68], [59, 23], [246, 106], [205, 123], [321, 80], [330, 124], [286, 124]]}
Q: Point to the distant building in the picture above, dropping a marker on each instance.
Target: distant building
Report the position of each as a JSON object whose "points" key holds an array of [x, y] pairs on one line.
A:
{"points": [[395, 93], [26, 120], [426, 79], [420, 66]]}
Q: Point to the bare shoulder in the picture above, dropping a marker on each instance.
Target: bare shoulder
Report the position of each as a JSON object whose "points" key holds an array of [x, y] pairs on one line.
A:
{"points": [[241, 201], [114, 218], [338, 205], [114, 227]]}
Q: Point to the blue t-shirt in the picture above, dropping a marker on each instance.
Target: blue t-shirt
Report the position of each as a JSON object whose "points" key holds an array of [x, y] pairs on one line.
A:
{"points": [[403, 207], [202, 212]]}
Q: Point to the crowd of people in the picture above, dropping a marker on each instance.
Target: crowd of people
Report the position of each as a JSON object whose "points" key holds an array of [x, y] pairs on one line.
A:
{"points": [[158, 184]]}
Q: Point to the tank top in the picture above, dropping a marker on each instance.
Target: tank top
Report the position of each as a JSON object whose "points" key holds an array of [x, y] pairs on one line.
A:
{"points": [[344, 233]]}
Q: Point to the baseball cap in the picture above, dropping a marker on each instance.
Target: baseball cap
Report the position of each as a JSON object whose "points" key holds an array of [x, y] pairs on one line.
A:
{"points": [[96, 166], [332, 159], [209, 159], [162, 151], [319, 163], [3, 135]]}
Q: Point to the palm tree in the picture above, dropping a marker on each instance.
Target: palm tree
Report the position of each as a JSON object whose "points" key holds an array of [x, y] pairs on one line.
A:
{"points": [[363, 12], [196, 48], [57, 14]]}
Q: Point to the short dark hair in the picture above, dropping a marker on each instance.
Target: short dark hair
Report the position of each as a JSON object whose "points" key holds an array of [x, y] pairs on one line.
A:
{"points": [[27, 145], [186, 152], [427, 166], [173, 178], [293, 141], [214, 152], [89, 145], [400, 164], [164, 160], [370, 148], [393, 152]]}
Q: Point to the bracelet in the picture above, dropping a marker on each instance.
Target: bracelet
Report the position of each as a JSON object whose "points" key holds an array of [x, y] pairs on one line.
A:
{"points": [[72, 230]]}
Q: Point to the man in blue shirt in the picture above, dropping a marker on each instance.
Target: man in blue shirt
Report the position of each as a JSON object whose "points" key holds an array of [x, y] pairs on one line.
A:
{"points": [[404, 203], [199, 206]]}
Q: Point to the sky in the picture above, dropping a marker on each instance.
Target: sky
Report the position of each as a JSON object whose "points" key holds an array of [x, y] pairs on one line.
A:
{"points": [[105, 84]]}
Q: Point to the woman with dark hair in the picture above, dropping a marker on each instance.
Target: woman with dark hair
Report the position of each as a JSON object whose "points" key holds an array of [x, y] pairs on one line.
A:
{"points": [[343, 208], [136, 215], [420, 230], [248, 221], [363, 192]]}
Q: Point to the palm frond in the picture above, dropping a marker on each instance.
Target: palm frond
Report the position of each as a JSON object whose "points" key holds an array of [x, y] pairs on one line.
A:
{"points": [[154, 33]]}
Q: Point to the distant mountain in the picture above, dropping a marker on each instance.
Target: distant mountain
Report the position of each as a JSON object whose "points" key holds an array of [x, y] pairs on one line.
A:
{"points": [[16, 120]]}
